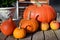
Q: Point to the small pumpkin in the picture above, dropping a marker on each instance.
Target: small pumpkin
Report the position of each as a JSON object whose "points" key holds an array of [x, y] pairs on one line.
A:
{"points": [[7, 27], [19, 33], [42, 13], [44, 26], [54, 25], [31, 25]]}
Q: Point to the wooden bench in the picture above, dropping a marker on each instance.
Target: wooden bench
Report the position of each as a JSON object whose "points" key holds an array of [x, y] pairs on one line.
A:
{"points": [[39, 35]]}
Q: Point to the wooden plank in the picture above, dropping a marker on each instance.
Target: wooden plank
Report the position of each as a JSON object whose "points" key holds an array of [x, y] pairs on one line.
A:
{"points": [[28, 37], [58, 17], [10, 38], [38, 36], [49, 35], [2, 36], [57, 32]]}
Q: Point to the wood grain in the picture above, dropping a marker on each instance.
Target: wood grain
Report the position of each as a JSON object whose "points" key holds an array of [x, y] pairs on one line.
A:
{"points": [[38, 36], [10, 38], [49, 35], [2, 36], [28, 37], [57, 32]]}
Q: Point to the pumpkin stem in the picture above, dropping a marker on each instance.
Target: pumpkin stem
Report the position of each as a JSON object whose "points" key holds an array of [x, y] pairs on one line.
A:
{"points": [[37, 17], [29, 15], [19, 26], [10, 19], [37, 3]]}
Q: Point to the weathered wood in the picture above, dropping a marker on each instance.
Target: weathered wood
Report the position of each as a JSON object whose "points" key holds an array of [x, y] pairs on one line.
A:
{"points": [[58, 17], [38, 36], [10, 38], [28, 37], [57, 32], [2, 36], [49, 35]]}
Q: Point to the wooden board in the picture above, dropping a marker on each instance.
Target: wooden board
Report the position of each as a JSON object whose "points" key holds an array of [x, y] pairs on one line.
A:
{"points": [[2, 36], [10, 38], [38, 36], [57, 32], [58, 17], [49, 35], [28, 37]]}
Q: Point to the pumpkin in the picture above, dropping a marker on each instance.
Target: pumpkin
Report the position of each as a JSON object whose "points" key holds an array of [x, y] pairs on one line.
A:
{"points": [[44, 26], [54, 25], [42, 13], [19, 33], [0, 27], [7, 27], [31, 25]]}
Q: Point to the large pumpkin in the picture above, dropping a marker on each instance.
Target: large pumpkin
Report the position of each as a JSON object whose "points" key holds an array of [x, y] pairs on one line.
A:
{"points": [[43, 13]]}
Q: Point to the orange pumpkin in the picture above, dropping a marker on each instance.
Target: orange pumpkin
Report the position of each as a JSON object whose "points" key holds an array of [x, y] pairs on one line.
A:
{"points": [[19, 33], [0, 27], [31, 25], [43, 13], [7, 27]]}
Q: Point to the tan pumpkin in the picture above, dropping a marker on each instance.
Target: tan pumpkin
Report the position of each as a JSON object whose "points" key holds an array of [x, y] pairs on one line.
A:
{"points": [[44, 26]]}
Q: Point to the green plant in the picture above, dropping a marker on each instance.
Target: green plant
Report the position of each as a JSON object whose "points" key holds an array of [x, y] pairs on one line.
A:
{"points": [[7, 3]]}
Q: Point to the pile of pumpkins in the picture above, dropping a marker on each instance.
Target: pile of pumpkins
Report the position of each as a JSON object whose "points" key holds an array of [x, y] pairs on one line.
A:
{"points": [[34, 17]]}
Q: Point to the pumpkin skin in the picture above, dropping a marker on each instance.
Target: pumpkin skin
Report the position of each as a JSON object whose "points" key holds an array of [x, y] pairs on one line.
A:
{"points": [[0, 27], [43, 13], [29, 25], [19, 33], [7, 27]]}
